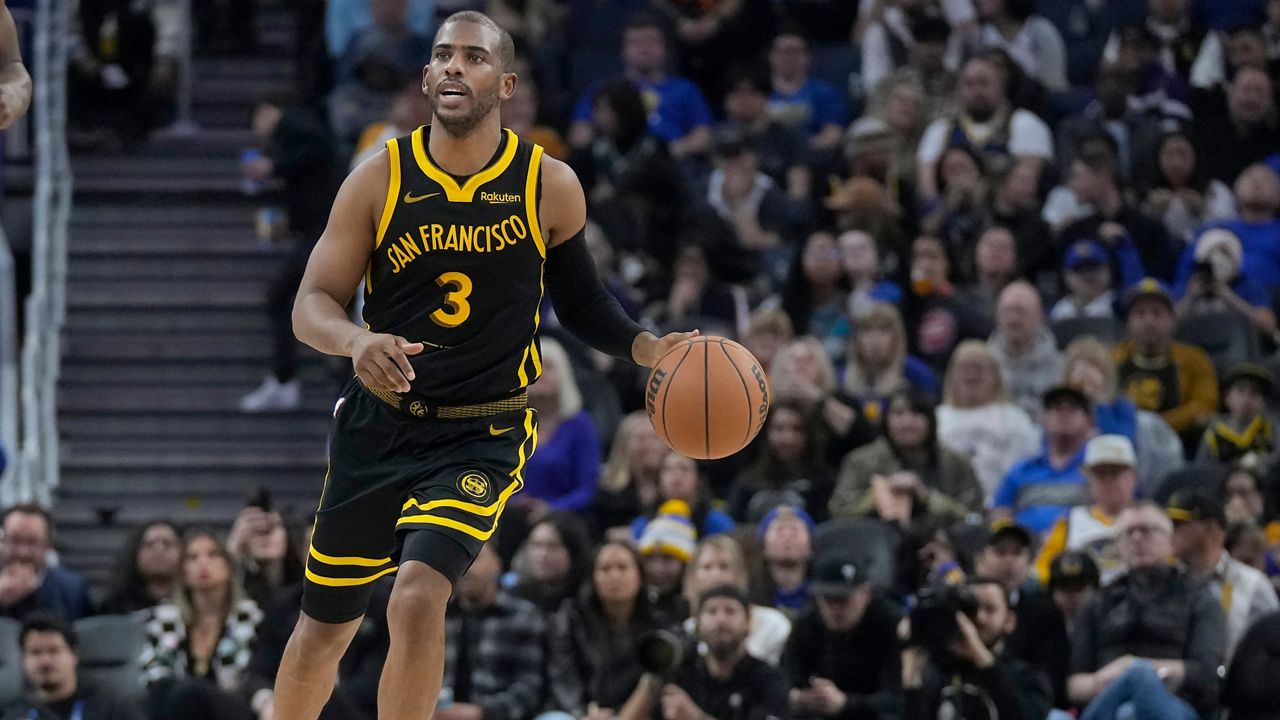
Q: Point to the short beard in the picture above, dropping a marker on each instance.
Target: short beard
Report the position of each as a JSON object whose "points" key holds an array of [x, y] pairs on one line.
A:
{"points": [[461, 127]]}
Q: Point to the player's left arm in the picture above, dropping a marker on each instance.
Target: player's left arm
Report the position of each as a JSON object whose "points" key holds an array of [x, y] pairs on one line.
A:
{"points": [[583, 304], [15, 81]]}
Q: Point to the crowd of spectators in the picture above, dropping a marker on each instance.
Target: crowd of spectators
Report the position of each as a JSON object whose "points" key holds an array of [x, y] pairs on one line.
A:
{"points": [[1012, 268]]}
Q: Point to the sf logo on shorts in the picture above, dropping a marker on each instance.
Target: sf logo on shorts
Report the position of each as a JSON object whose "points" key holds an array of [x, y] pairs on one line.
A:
{"points": [[474, 484]]}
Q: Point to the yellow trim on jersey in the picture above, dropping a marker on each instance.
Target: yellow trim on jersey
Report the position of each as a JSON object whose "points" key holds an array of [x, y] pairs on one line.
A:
{"points": [[446, 181], [347, 582], [531, 200], [393, 191], [356, 561], [531, 434]]}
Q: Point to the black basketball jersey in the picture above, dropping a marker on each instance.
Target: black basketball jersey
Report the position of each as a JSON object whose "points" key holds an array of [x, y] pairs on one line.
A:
{"points": [[458, 267]]}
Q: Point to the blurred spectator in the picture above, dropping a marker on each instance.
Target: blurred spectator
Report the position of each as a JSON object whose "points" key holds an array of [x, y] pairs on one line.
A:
{"points": [[719, 561], [1245, 499], [1218, 283], [1015, 204], [265, 553], [1091, 287], [410, 109], [768, 330], [1114, 221], [495, 648], [50, 669], [1153, 639], [1110, 466], [782, 150], [667, 544], [594, 661], [987, 123], [907, 472], [1199, 533], [860, 258], [1120, 114], [883, 149], [199, 644], [1180, 39], [345, 19], [935, 320], [803, 372], [1248, 692], [521, 114], [28, 581], [1247, 542], [298, 150], [1159, 374], [726, 683], [1247, 432], [562, 475], [554, 561], [1073, 582], [632, 184], [1032, 41], [842, 655], [1238, 129], [1085, 28], [977, 420], [974, 677], [123, 70], [786, 538], [682, 479], [628, 483], [1181, 196], [1225, 52], [762, 218], [877, 364], [677, 112], [1039, 489], [907, 34], [147, 569], [801, 101], [956, 214], [995, 265], [15, 81], [1257, 193], [792, 462], [712, 36], [1024, 347], [814, 294]]}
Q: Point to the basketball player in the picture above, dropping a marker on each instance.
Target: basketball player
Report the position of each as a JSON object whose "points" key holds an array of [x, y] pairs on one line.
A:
{"points": [[455, 231]]}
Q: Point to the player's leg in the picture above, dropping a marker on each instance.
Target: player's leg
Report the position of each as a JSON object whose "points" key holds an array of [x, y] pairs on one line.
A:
{"points": [[309, 667], [412, 675]]}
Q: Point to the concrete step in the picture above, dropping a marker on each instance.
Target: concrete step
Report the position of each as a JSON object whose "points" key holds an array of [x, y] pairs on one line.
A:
{"points": [[250, 67], [181, 458], [87, 511], [152, 347], [245, 294], [318, 374], [127, 427], [88, 320], [144, 399], [193, 215], [154, 268]]}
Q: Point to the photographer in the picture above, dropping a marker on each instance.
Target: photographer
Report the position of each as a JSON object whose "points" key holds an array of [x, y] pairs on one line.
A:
{"points": [[1217, 283], [954, 665], [724, 684]]}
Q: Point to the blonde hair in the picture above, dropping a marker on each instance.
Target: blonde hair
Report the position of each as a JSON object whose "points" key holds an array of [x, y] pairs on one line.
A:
{"points": [[784, 363], [235, 590], [880, 316], [617, 471], [570, 396], [967, 350], [730, 550], [772, 320], [1091, 350]]}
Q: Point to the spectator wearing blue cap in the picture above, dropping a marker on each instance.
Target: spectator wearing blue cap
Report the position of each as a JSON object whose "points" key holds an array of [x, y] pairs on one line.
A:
{"points": [[786, 539], [1089, 274], [1161, 375]]}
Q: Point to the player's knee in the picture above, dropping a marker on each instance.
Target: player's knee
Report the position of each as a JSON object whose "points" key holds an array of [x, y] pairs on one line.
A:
{"points": [[320, 643], [421, 594]]}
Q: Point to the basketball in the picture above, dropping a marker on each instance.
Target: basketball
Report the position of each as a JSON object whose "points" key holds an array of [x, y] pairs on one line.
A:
{"points": [[707, 397]]}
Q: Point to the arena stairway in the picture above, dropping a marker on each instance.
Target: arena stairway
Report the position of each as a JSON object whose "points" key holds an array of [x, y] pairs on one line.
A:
{"points": [[166, 330]]}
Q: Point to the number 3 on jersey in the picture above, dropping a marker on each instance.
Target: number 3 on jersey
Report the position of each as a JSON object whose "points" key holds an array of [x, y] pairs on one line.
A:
{"points": [[457, 309]]}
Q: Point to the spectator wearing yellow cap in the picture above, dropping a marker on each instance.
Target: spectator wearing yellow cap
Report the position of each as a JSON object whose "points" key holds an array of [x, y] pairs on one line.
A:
{"points": [[667, 545]]}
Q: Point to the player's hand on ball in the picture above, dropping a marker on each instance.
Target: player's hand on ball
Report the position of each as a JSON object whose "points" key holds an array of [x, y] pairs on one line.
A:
{"points": [[382, 361], [647, 349]]}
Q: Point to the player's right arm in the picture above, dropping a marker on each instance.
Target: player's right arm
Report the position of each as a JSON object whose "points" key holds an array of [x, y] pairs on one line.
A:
{"points": [[334, 272]]}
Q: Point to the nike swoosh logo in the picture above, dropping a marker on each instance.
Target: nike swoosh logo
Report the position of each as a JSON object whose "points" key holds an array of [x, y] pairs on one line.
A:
{"points": [[411, 198], [496, 432]]}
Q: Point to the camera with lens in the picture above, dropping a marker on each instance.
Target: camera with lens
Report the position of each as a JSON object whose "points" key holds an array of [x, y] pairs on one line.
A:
{"points": [[933, 618], [660, 652]]}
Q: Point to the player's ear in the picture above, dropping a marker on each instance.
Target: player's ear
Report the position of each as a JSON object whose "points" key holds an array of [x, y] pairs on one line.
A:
{"points": [[507, 86], [426, 72]]}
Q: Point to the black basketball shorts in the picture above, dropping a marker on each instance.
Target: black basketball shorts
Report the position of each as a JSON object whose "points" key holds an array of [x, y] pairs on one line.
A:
{"points": [[392, 477]]}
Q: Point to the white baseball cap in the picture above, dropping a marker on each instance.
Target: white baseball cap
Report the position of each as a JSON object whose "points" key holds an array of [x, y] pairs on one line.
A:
{"points": [[1109, 450]]}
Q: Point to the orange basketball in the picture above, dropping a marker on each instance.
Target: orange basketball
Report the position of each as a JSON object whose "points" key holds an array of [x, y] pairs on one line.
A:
{"points": [[707, 398]]}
